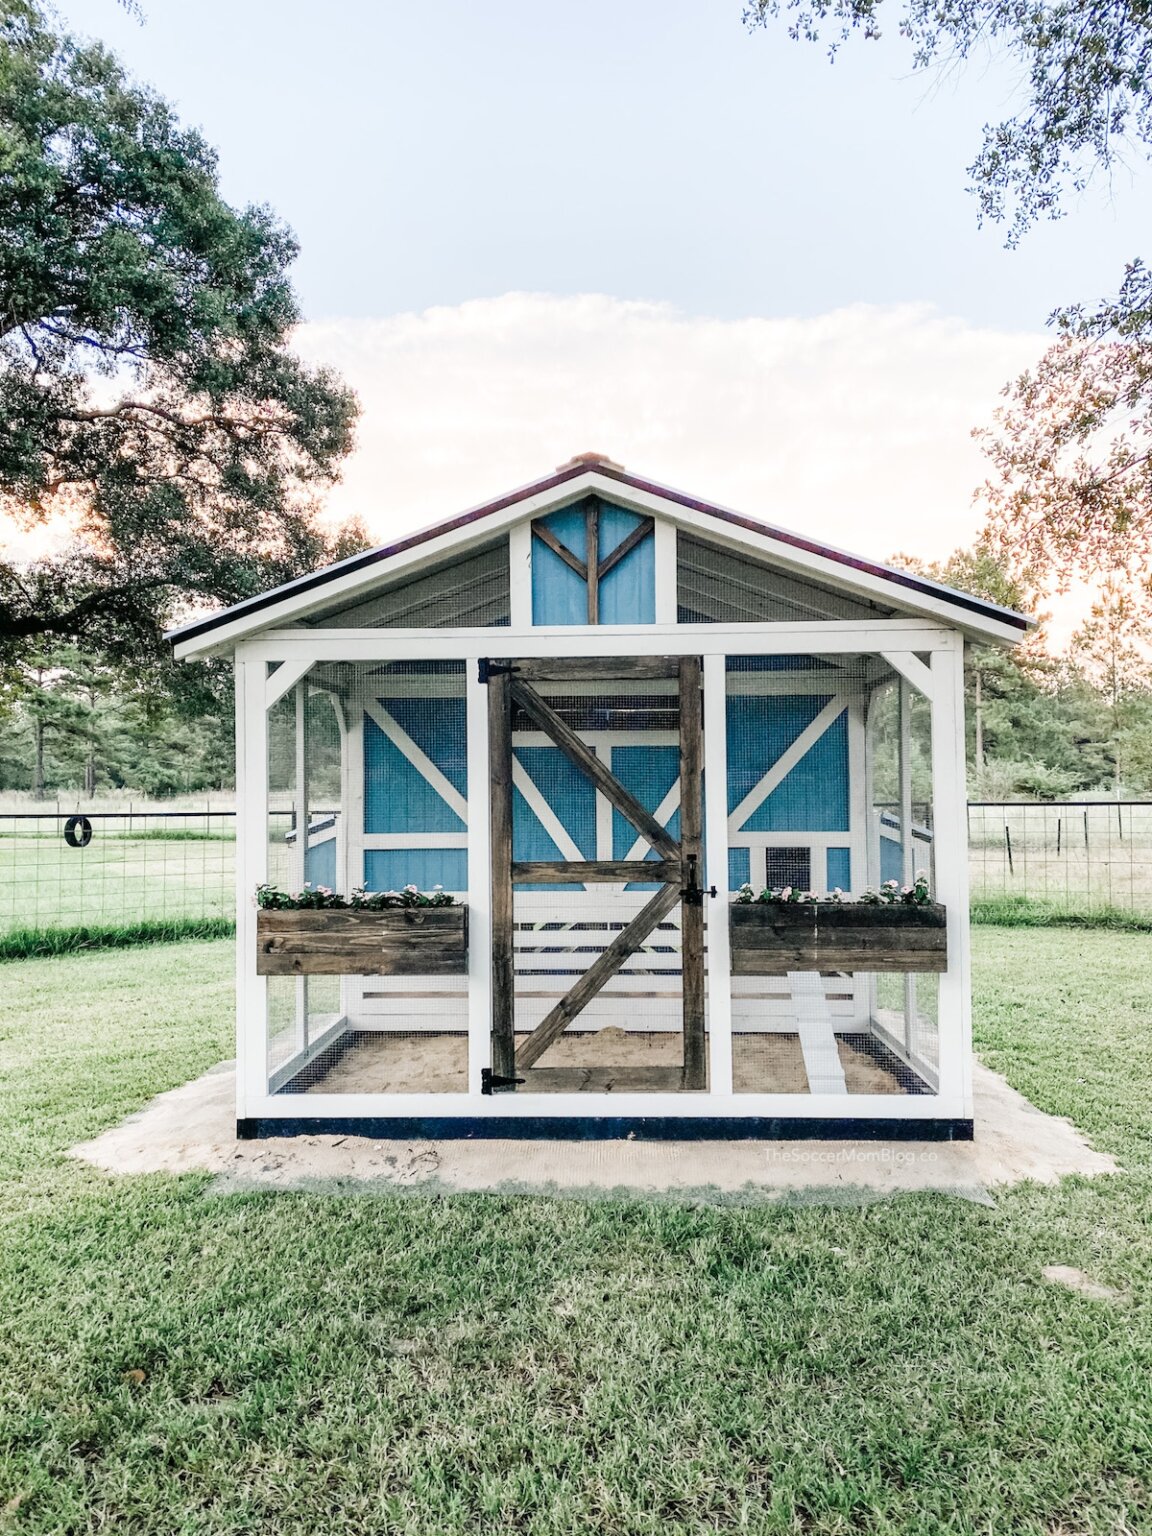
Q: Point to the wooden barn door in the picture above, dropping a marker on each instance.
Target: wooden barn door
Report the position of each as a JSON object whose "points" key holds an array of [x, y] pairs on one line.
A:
{"points": [[676, 869]]}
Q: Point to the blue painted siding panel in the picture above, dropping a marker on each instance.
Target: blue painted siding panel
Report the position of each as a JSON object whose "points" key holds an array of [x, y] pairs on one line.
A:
{"points": [[739, 868], [396, 797], [320, 864], [628, 591], [839, 871], [559, 596], [571, 528], [649, 773], [571, 797], [439, 728], [814, 796], [389, 869], [891, 860]]}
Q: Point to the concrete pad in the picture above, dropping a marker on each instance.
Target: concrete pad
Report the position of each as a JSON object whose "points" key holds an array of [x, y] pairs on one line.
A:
{"points": [[192, 1130]]}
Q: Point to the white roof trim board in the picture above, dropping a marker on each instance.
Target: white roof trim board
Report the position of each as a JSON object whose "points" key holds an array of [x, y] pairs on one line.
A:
{"points": [[355, 577]]}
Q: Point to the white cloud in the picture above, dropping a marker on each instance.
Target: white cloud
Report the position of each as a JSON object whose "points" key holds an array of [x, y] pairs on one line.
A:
{"points": [[853, 426]]}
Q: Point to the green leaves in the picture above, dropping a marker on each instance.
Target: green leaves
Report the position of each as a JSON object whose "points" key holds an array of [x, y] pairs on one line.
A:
{"points": [[1082, 71], [149, 397]]}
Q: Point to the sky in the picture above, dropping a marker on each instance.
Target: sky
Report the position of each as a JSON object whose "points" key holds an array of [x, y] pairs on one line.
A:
{"points": [[632, 226]]}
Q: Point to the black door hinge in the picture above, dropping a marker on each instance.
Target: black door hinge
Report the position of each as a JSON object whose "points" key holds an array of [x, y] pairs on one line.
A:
{"points": [[486, 670], [491, 1082]]}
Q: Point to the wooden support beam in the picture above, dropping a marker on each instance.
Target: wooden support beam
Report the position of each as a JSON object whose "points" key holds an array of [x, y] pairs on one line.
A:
{"points": [[692, 852], [605, 871], [285, 677], [553, 1025], [583, 758], [597, 669], [549, 539], [625, 547], [912, 669], [592, 546], [500, 821], [601, 1079]]}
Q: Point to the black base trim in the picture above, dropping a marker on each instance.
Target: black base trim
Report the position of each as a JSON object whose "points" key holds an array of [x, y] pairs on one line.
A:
{"points": [[606, 1128]]}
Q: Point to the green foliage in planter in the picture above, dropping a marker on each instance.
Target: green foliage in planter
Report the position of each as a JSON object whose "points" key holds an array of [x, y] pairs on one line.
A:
{"points": [[321, 898], [890, 894]]}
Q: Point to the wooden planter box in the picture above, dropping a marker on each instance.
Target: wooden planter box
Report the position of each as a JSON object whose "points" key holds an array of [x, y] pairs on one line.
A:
{"points": [[402, 941], [772, 939]]}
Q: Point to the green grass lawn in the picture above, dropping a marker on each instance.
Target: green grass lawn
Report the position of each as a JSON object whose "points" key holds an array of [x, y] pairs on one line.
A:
{"points": [[387, 1364]]}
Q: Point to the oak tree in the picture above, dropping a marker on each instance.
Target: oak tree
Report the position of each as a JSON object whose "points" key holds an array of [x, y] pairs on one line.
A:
{"points": [[156, 426]]}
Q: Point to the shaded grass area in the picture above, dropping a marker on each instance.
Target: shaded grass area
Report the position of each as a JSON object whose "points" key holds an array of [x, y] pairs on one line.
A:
{"points": [[481, 1364], [28, 943], [1034, 912]]}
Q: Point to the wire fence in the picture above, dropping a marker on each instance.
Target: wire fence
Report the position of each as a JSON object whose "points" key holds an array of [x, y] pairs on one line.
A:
{"points": [[115, 868], [126, 867], [1070, 856]]}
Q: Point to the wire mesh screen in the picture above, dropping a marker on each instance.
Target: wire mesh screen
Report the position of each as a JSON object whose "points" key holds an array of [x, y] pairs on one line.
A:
{"points": [[368, 775], [467, 593], [629, 1035], [716, 586], [899, 746], [825, 775], [900, 755], [1080, 857]]}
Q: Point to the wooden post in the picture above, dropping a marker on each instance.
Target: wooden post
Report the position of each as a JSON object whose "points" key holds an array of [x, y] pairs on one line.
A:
{"points": [[303, 817], [692, 851], [859, 833], [949, 800], [479, 891], [251, 870], [592, 558], [500, 822], [719, 945], [907, 848]]}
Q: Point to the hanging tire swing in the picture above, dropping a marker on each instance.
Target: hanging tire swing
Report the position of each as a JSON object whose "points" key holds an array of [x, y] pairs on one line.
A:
{"points": [[77, 831]]}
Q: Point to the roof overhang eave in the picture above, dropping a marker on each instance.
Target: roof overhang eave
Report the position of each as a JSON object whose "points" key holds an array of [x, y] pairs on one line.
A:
{"points": [[217, 634]]}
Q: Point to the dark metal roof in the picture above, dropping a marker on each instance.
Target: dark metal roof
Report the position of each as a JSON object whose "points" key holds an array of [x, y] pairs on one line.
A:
{"points": [[561, 477]]}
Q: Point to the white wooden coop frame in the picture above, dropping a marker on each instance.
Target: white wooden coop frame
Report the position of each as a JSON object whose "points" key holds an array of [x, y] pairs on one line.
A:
{"points": [[921, 647]]}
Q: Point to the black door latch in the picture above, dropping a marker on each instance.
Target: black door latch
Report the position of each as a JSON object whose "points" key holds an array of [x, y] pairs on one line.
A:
{"points": [[692, 894]]}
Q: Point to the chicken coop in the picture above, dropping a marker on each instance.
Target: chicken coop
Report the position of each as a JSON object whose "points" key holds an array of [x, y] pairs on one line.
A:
{"points": [[600, 810]]}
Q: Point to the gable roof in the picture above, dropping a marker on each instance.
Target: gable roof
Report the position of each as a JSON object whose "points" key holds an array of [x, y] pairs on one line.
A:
{"points": [[584, 475]]}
